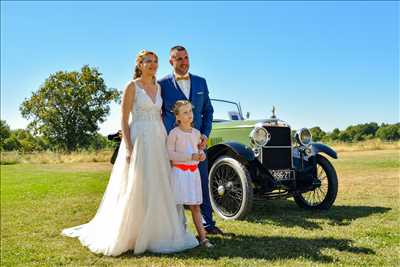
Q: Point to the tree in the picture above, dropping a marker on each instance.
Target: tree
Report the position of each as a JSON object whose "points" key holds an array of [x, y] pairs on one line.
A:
{"points": [[67, 108], [11, 143], [361, 132], [317, 133], [100, 142], [42, 143], [344, 137], [389, 132], [5, 133], [334, 135], [25, 141]]}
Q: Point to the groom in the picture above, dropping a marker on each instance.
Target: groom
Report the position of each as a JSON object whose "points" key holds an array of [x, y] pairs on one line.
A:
{"points": [[182, 85]]}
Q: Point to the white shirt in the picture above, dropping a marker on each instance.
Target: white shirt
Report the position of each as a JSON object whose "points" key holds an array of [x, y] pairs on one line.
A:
{"points": [[184, 85]]}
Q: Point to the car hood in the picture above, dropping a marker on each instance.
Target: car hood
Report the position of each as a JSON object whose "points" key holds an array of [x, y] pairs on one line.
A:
{"points": [[236, 124]]}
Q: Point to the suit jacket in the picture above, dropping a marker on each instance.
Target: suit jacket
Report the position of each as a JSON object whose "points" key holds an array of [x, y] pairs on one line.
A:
{"points": [[202, 108]]}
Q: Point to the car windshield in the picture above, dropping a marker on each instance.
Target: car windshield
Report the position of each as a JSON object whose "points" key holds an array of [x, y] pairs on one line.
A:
{"points": [[225, 110]]}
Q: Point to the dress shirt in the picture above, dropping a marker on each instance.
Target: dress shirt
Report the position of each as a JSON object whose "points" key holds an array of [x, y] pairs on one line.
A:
{"points": [[184, 84]]}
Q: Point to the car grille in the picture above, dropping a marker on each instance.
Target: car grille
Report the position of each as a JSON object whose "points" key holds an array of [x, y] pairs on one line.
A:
{"points": [[277, 154]]}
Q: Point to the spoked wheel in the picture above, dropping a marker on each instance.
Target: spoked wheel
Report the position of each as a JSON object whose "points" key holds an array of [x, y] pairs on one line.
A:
{"points": [[326, 187], [230, 188]]}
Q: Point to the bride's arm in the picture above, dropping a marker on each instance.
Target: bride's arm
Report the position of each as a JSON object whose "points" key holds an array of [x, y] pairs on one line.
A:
{"points": [[127, 104]]}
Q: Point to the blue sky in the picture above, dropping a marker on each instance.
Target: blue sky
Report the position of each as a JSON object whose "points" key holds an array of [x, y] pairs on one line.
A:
{"points": [[330, 64]]}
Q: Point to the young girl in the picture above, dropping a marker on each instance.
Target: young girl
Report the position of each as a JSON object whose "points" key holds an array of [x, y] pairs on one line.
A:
{"points": [[182, 144]]}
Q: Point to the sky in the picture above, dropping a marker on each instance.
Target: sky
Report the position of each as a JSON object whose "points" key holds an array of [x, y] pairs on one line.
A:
{"points": [[320, 63]]}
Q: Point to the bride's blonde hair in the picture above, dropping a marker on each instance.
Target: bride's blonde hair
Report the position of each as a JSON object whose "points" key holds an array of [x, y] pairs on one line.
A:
{"points": [[139, 60]]}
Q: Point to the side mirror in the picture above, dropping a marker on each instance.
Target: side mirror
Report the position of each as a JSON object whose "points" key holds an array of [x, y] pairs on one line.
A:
{"points": [[247, 115]]}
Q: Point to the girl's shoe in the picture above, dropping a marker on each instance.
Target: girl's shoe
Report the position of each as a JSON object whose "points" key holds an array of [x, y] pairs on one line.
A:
{"points": [[206, 243]]}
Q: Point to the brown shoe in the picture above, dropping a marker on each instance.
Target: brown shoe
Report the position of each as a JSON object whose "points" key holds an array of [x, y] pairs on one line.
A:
{"points": [[214, 231]]}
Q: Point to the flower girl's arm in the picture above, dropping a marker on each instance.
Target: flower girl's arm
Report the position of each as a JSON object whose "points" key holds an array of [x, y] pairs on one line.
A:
{"points": [[127, 103], [172, 153]]}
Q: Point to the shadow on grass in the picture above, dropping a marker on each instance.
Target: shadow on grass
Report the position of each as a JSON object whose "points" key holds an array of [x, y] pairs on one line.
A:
{"points": [[267, 248], [287, 213]]}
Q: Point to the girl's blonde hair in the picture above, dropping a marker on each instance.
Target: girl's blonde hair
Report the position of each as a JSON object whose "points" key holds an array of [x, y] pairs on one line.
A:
{"points": [[178, 105], [139, 60]]}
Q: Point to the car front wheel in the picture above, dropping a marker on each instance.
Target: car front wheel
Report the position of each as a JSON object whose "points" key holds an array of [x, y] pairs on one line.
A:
{"points": [[326, 187], [230, 188]]}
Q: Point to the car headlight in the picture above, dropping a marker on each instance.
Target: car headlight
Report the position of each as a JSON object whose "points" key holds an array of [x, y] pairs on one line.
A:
{"points": [[303, 136], [260, 136]]}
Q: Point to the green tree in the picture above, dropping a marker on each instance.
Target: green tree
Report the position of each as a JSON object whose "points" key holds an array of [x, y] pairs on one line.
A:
{"points": [[100, 142], [11, 143], [42, 143], [361, 132], [389, 132], [68, 107], [334, 135], [344, 137], [5, 133], [24, 140], [317, 133]]}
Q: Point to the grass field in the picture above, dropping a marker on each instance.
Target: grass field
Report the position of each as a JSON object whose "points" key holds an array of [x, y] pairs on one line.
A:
{"points": [[362, 229]]}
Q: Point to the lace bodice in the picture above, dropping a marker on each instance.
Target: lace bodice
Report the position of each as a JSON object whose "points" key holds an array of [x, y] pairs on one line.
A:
{"points": [[143, 107]]}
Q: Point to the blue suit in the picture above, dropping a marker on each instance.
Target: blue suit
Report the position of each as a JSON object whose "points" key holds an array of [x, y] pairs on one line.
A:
{"points": [[202, 120]]}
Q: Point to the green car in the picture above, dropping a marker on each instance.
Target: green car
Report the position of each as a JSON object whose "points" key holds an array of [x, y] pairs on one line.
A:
{"points": [[262, 159]]}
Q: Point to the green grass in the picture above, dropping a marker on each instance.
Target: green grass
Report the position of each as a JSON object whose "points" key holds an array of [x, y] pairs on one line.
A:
{"points": [[48, 157], [362, 228]]}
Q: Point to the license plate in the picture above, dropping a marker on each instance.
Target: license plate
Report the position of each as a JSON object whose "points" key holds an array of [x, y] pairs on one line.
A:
{"points": [[281, 175]]}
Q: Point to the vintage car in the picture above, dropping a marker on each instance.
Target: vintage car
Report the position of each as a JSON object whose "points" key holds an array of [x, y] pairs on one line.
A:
{"points": [[262, 159]]}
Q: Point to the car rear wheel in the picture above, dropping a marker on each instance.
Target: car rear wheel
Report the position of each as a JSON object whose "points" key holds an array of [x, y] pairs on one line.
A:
{"points": [[230, 187], [324, 194]]}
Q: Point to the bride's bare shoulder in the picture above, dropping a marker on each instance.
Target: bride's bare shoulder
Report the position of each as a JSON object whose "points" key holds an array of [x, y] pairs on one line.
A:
{"points": [[130, 86]]}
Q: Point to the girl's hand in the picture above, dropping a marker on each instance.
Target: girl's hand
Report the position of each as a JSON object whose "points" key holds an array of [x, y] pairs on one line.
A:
{"points": [[199, 156], [196, 156]]}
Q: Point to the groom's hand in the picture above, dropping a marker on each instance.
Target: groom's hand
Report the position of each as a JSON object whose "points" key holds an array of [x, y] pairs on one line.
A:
{"points": [[203, 142], [202, 155]]}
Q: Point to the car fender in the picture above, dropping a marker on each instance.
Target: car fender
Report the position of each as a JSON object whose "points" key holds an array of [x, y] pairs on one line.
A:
{"points": [[317, 148], [244, 153]]}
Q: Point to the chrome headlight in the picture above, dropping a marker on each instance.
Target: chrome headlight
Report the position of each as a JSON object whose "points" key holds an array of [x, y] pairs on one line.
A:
{"points": [[303, 137], [260, 136]]}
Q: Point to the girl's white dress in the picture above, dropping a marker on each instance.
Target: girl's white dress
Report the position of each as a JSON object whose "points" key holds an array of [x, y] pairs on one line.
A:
{"points": [[186, 184], [138, 210]]}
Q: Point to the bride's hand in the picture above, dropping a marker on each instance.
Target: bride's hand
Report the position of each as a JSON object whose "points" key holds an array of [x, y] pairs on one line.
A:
{"points": [[129, 151]]}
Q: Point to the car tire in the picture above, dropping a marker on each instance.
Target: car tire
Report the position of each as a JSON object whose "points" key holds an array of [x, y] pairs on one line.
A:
{"points": [[304, 201], [230, 176]]}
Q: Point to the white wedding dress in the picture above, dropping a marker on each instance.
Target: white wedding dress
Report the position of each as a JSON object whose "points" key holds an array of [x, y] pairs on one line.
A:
{"points": [[138, 210]]}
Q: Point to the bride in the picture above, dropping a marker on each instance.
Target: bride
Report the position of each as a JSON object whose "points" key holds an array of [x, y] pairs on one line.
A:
{"points": [[138, 209]]}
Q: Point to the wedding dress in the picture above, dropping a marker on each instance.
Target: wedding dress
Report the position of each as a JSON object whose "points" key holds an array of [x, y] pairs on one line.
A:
{"points": [[138, 210]]}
